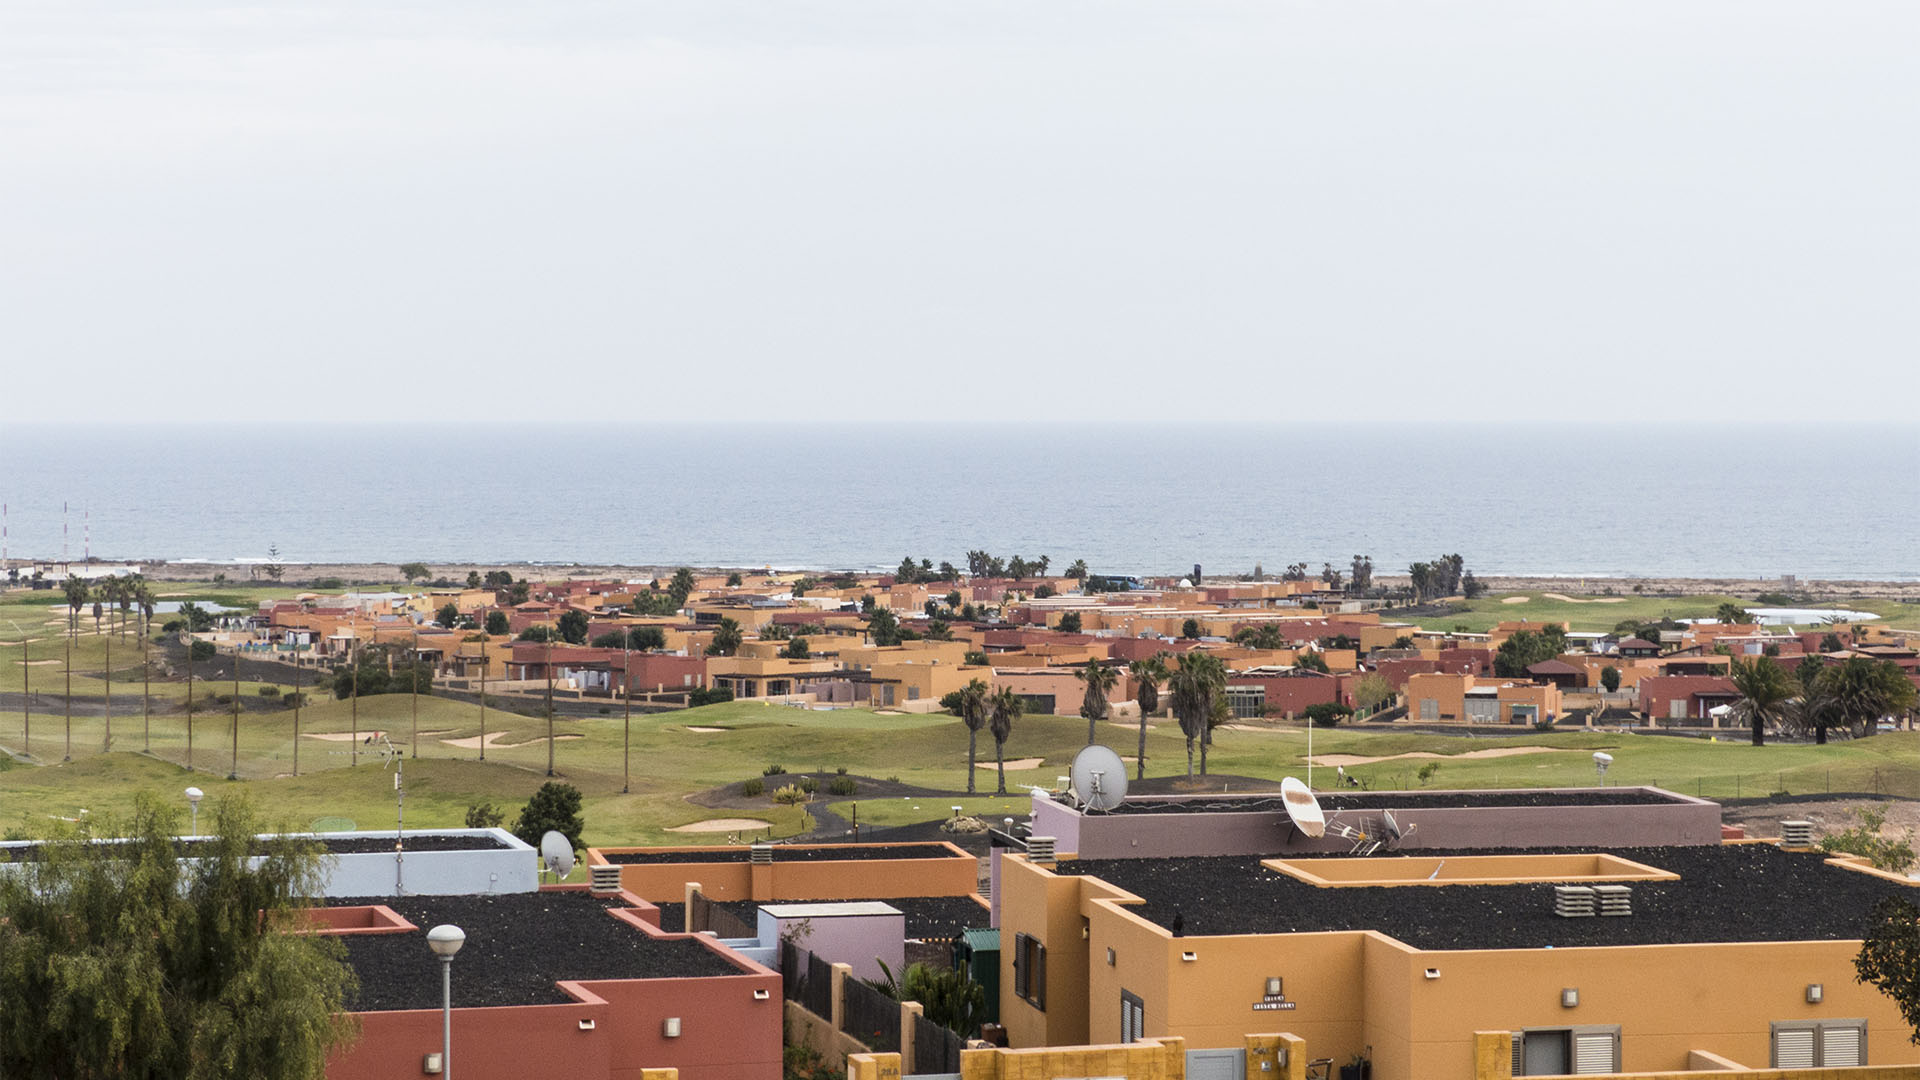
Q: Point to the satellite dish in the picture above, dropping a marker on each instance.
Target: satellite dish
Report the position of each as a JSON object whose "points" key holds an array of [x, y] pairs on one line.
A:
{"points": [[1601, 759], [556, 853], [1302, 807], [1099, 778]]}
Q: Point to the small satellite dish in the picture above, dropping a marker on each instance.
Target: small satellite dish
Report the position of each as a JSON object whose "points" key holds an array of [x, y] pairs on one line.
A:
{"points": [[1601, 759], [556, 853], [1099, 778], [1302, 807]]}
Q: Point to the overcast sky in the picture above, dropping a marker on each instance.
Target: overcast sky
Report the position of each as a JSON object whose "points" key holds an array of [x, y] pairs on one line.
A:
{"points": [[460, 209]]}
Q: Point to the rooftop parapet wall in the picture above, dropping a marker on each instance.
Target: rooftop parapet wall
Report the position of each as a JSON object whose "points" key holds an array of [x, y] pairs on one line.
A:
{"points": [[1665, 819], [950, 871]]}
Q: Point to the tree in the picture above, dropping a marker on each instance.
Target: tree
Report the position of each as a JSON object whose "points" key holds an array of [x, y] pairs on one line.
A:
{"points": [[796, 648], [1077, 569], [726, 638], [537, 633], [1471, 587], [1765, 690], [555, 807], [1372, 690], [612, 639], [1264, 636], [1294, 572], [573, 626], [1889, 957], [645, 638], [497, 622], [499, 579], [413, 570], [1854, 693], [971, 704], [273, 567], [1069, 623], [1330, 577], [883, 627], [1831, 642], [77, 593], [1006, 708], [681, 587], [1310, 660], [734, 580], [448, 614], [1190, 629], [1610, 678], [1362, 576], [1527, 648], [1147, 675], [1732, 613], [1421, 579], [519, 591], [1327, 713], [484, 816], [215, 979], [1099, 680], [473, 579], [1193, 687]]}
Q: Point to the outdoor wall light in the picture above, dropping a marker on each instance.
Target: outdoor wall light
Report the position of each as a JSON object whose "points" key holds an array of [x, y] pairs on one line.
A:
{"points": [[1433, 973], [1273, 986], [1570, 997], [761, 995], [431, 1065], [586, 1025], [1111, 956], [670, 1027], [1189, 956], [1815, 993]]}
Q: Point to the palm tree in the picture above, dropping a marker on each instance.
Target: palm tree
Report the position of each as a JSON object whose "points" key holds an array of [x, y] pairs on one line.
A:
{"points": [[1765, 689], [1193, 687], [1147, 675], [972, 710], [1853, 694], [1006, 706], [1099, 679], [726, 638]]}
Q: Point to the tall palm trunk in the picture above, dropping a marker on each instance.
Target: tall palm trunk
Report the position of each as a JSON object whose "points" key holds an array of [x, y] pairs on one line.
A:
{"points": [[972, 740], [1000, 762], [1204, 740], [1189, 757], [1140, 763], [1759, 729]]}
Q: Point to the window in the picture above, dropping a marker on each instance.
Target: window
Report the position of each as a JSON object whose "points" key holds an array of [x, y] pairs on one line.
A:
{"points": [[1560, 1051], [1030, 970], [1827, 1044], [1133, 1017]]}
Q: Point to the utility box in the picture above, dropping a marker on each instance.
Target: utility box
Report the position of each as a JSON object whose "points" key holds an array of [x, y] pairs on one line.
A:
{"points": [[977, 952]]}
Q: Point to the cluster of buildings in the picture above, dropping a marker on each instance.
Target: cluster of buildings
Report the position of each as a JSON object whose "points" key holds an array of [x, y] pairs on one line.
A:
{"points": [[1287, 646]]}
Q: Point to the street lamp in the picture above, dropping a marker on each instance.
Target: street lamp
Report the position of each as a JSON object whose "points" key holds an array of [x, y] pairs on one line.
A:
{"points": [[445, 940], [194, 795]]}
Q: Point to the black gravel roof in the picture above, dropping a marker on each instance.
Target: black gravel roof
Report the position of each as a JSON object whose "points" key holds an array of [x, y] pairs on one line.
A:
{"points": [[1395, 800], [784, 853], [1737, 892], [518, 946], [928, 917]]}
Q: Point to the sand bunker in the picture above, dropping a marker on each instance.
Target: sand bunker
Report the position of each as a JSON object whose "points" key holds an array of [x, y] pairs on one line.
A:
{"points": [[692, 727], [1490, 752], [342, 736], [41, 663], [722, 824], [1016, 763], [1515, 599], [1565, 599], [493, 743], [442, 731]]}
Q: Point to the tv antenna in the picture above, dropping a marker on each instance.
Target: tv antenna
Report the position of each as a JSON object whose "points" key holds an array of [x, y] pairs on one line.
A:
{"points": [[1303, 810], [1099, 778], [391, 755], [556, 854]]}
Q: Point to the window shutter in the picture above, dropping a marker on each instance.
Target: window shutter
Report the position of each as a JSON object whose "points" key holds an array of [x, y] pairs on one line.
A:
{"points": [[1841, 1046], [1020, 965], [1519, 1054], [1593, 1052], [1039, 978], [1793, 1048]]}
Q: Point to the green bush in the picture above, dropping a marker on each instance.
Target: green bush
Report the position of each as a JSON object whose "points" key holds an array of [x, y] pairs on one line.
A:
{"points": [[1327, 713], [1865, 840], [484, 816], [842, 785], [809, 785], [754, 788], [293, 699], [789, 795], [773, 770], [201, 651], [269, 691]]}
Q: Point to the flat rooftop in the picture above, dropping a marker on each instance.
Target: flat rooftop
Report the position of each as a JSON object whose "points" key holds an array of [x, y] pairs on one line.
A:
{"points": [[787, 853], [1730, 893], [1397, 800], [519, 945], [928, 918]]}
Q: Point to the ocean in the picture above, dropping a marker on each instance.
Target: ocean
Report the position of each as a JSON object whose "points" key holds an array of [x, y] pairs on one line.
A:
{"points": [[1569, 499]]}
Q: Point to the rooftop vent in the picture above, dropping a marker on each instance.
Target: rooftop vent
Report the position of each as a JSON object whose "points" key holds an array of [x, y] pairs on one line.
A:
{"points": [[1796, 834], [761, 855], [1040, 850], [1614, 899], [604, 879], [1573, 901]]}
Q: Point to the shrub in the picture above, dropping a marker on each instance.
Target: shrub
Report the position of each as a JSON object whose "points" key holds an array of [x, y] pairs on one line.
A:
{"points": [[1327, 713], [293, 699], [841, 771], [842, 785], [754, 788], [699, 696], [809, 785], [556, 807], [1864, 839], [773, 770], [269, 691], [484, 816], [201, 651], [789, 795]]}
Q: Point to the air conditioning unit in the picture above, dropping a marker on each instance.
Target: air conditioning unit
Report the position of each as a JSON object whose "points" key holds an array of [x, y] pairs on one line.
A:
{"points": [[1796, 834], [1573, 901], [1614, 899], [1040, 850], [761, 855], [604, 880]]}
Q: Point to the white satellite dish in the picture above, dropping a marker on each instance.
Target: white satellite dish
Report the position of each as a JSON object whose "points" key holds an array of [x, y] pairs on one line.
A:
{"points": [[1601, 759], [1099, 778], [556, 853], [1302, 807]]}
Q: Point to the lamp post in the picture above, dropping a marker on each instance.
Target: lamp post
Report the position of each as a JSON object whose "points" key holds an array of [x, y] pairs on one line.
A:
{"points": [[445, 940], [194, 795]]}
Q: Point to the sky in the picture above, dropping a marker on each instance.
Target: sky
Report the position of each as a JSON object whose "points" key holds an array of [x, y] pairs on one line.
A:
{"points": [[461, 210]]}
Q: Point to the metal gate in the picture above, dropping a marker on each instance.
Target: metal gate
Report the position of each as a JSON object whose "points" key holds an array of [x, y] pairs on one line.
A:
{"points": [[1216, 1064]]}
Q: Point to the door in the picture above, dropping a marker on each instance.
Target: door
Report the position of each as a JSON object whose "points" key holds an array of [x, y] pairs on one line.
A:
{"points": [[1216, 1064], [1548, 1053]]}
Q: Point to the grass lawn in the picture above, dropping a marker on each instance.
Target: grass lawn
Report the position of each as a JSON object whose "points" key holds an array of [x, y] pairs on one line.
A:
{"points": [[1603, 613]]}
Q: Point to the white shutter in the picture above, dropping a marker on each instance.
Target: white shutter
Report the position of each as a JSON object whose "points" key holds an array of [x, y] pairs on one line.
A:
{"points": [[1519, 1054], [1593, 1052], [1840, 1046], [1793, 1048]]}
